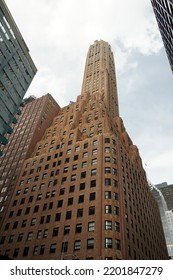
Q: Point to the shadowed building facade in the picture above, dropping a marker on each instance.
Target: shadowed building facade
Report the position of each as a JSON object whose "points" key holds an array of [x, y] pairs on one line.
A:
{"points": [[163, 10], [31, 125], [83, 193]]}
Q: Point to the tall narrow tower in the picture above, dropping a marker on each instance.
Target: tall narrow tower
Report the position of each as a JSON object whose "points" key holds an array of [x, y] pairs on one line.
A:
{"points": [[99, 76], [83, 192]]}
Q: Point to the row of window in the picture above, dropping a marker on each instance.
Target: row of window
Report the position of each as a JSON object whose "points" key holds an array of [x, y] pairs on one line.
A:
{"points": [[109, 209], [53, 248]]}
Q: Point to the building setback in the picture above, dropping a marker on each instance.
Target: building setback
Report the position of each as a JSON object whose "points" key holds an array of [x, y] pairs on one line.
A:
{"points": [[16, 71], [31, 125], [163, 10], [83, 193]]}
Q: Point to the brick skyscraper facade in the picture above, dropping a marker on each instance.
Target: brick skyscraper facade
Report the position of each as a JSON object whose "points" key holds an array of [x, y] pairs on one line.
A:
{"points": [[83, 193], [28, 131]]}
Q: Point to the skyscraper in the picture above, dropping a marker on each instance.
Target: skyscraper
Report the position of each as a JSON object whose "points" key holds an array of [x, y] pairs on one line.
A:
{"points": [[163, 10], [16, 71], [83, 192], [28, 131], [167, 191]]}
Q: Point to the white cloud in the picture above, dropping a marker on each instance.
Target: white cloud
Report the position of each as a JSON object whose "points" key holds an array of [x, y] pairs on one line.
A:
{"points": [[58, 34]]}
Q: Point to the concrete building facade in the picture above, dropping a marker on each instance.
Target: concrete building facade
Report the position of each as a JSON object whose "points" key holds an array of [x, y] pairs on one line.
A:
{"points": [[16, 71], [83, 192]]}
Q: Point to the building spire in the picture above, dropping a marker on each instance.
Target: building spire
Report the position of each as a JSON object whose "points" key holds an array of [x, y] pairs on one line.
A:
{"points": [[99, 76]]}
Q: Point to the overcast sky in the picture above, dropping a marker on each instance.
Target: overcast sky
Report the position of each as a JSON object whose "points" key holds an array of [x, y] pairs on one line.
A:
{"points": [[59, 33]]}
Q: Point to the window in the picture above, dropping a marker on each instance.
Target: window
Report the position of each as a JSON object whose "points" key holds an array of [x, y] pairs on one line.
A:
{"points": [[108, 243], [72, 188], [108, 225], [57, 217], [68, 214], [48, 219], [42, 248], [83, 175], [35, 252], [70, 201], [24, 223], [55, 231], [107, 182], [74, 167], [93, 184], [84, 164], [33, 221], [117, 244], [82, 186], [60, 203], [81, 199], [45, 233], [107, 140], [80, 212], [26, 251], [39, 234], [78, 228], [64, 247], [66, 230], [107, 170], [116, 210], [62, 191], [15, 224], [94, 161], [93, 172], [16, 252], [73, 177], [108, 195], [91, 226], [52, 248], [115, 196], [107, 149], [117, 226], [94, 152], [107, 159], [77, 245], [85, 154], [20, 237], [91, 210], [11, 238], [92, 196], [108, 209], [90, 243]]}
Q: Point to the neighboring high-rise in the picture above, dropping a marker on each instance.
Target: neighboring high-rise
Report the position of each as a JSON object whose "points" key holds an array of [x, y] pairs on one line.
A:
{"points": [[83, 192], [167, 191], [37, 115], [163, 10], [16, 71], [167, 219]]}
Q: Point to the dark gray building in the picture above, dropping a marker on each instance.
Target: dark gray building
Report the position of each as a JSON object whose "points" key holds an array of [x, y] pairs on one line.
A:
{"points": [[163, 10], [16, 71], [167, 191]]}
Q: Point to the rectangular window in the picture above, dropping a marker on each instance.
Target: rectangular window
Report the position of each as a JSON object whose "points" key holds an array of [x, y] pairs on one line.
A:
{"points": [[90, 243], [77, 245], [66, 230], [108, 209], [92, 196], [81, 199], [68, 215], [91, 226], [52, 248], [108, 243], [78, 228], [108, 225], [55, 231], [91, 210], [117, 244]]}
